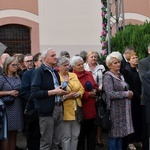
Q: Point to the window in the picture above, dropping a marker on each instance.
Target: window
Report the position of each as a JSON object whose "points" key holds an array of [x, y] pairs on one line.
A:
{"points": [[16, 38]]}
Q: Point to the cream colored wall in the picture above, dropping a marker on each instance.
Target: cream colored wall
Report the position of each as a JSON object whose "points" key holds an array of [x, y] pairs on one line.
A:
{"points": [[71, 25]]}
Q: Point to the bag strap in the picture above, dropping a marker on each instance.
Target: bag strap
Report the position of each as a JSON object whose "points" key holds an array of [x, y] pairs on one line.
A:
{"points": [[30, 98], [69, 85], [27, 104], [113, 87], [8, 82]]}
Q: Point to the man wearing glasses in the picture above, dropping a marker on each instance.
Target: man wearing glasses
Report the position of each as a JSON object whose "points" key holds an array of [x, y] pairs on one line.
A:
{"points": [[28, 62]]}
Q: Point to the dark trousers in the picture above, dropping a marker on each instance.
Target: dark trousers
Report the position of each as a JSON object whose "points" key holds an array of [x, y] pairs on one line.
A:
{"points": [[127, 140], [137, 125], [33, 136], [137, 122], [145, 138], [88, 131]]}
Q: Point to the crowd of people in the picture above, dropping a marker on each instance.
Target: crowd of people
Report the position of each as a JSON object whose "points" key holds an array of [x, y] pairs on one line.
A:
{"points": [[57, 86]]}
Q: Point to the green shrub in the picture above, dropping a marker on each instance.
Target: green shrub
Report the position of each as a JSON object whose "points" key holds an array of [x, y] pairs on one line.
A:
{"points": [[135, 35]]}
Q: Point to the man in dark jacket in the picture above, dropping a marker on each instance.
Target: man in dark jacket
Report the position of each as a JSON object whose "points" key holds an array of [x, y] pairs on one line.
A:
{"points": [[125, 58], [32, 129], [143, 68], [146, 97], [47, 93]]}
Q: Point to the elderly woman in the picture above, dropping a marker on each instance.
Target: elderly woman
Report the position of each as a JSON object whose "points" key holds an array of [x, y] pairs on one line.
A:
{"points": [[10, 85], [97, 71], [71, 127], [118, 98], [88, 127]]}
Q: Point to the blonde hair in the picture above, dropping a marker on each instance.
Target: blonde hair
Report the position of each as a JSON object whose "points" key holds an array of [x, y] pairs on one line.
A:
{"points": [[112, 55], [6, 64], [89, 53]]}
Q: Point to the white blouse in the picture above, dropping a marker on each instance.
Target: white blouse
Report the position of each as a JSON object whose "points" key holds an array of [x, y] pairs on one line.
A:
{"points": [[97, 73]]}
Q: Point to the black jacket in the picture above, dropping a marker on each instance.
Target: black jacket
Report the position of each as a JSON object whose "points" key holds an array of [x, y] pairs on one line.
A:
{"points": [[42, 81], [146, 94]]}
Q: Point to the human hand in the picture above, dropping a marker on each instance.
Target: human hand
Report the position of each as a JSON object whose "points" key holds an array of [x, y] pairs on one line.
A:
{"points": [[14, 93], [92, 93], [76, 95], [60, 91], [130, 95]]}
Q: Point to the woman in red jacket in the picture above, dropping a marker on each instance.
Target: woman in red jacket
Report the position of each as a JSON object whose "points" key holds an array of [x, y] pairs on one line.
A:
{"points": [[88, 127]]}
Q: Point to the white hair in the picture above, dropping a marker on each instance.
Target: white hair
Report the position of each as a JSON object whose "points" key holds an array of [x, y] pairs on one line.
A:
{"points": [[62, 60], [112, 55], [75, 59], [45, 51]]}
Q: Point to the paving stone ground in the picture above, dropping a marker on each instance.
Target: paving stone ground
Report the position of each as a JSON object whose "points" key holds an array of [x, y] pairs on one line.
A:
{"points": [[21, 141]]}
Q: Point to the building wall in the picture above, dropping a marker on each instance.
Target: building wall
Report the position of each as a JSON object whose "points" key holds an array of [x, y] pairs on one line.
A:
{"points": [[25, 5], [22, 12], [71, 25]]}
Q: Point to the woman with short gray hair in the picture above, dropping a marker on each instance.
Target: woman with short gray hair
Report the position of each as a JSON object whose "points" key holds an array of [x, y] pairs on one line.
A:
{"points": [[88, 127], [71, 127]]}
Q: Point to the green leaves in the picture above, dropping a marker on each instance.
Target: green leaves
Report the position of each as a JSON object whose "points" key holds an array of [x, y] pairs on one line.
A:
{"points": [[135, 35]]}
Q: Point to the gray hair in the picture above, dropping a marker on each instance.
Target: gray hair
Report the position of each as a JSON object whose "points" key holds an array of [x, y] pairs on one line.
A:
{"points": [[45, 51], [64, 53], [75, 59], [112, 55], [62, 60], [129, 49]]}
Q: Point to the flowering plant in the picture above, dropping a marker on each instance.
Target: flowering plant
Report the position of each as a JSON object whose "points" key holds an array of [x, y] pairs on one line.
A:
{"points": [[103, 36]]}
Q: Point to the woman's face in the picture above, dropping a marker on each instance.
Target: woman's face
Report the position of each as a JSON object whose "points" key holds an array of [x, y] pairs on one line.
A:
{"points": [[13, 66], [79, 66], [92, 59], [134, 60], [64, 67], [115, 65]]}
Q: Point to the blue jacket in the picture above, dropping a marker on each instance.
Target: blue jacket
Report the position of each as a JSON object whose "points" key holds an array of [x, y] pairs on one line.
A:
{"points": [[25, 91], [42, 82]]}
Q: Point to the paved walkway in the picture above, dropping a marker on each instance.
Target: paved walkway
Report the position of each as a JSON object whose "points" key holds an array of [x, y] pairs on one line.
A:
{"points": [[21, 141]]}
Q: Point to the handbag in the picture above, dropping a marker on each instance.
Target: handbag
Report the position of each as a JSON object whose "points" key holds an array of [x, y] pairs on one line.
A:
{"points": [[79, 114], [103, 113], [8, 100], [30, 112]]}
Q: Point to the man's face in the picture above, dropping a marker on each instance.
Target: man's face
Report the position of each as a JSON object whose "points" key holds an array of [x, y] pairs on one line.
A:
{"points": [[28, 62], [128, 54], [50, 58], [38, 63]]}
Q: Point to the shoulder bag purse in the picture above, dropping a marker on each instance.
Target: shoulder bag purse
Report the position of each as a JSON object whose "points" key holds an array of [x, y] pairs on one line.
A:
{"points": [[30, 113], [8, 100]]}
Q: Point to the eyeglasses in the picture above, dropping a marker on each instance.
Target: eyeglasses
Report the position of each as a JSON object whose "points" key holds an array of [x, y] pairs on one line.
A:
{"points": [[14, 65], [28, 61]]}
